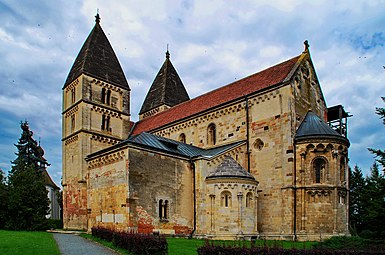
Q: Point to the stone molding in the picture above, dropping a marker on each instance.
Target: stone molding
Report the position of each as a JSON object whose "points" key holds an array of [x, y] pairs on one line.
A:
{"points": [[106, 160]]}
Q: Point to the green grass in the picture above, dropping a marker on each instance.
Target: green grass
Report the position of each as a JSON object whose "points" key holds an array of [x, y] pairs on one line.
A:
{"points": [[25, 243], [184, 246], [105, 243]]}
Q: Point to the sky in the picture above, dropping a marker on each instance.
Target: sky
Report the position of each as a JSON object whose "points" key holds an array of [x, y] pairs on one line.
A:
{"points": [[212, 43]]}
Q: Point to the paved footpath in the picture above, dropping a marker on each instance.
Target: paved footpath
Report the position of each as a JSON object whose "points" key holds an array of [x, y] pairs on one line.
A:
{"points": [[72, 244]]}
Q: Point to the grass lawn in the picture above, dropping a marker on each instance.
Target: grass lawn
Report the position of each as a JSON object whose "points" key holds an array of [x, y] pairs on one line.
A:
{"points": [[183, 246], [24, 243]]}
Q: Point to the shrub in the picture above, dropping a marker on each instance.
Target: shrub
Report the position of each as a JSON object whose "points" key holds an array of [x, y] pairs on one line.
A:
{"points": [[55, 224], [211, 249], [133, 242]]}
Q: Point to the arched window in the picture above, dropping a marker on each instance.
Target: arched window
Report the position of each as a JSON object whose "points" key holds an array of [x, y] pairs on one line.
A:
{"points": [[108, 97], [211, 134], [163, 209], [73, 123], [73, 95], [182, 138], [103, 122], [319, 169], [103, 96], [106, 123], [160, 209], [249, 200], [342, 170], [226, 199]]}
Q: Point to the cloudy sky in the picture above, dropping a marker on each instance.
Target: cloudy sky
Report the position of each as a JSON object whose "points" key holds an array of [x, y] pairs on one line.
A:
{"points": [[212, 43]]}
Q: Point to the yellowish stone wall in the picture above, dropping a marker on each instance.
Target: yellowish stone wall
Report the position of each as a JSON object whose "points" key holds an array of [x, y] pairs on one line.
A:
{"points": [[108, 203], [82, 135], [322, 207]]}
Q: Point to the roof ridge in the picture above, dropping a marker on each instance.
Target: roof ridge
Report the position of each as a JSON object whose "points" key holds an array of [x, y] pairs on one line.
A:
{"points": [[258, 85]]}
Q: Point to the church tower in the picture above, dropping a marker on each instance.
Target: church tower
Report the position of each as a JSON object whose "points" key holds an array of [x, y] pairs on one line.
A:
{"points": [[166, 91], [96, 115]]}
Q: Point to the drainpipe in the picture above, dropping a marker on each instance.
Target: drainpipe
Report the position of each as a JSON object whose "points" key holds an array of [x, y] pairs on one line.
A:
{"points": [[247, 134], [295, 192], [194, 200]]}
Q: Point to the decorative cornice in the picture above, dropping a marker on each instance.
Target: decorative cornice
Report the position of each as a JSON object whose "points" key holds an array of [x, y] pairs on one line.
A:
{"points": [[106, 160], [91, 133]]}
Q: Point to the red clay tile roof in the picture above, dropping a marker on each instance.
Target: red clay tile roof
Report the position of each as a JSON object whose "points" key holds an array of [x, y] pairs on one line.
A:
{"points": [[266, 78]]}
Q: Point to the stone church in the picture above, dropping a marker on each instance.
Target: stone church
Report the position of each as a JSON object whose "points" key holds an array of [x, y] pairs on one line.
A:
{"points": [[260, 157]]}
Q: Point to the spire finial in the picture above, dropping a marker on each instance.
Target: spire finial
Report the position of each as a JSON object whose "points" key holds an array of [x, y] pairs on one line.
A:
{"points": [[167, 53], [306, 43], [97, 17]]}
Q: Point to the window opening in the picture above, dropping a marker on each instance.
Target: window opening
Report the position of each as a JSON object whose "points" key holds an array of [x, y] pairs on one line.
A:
{"points": [[249, 200], [182, 138], [108, 97], [103, 96], [163, 209], [73, 123], [211, 134], [160, 209], [73, 95], [319, 168], [103, 122], [226, 199]]}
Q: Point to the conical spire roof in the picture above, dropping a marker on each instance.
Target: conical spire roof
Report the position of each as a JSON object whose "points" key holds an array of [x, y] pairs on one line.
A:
{"points": [[229, 168], [314, 127], [167, 88], [97, 59]]}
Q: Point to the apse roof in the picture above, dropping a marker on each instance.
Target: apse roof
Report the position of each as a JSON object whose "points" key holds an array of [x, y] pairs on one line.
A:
{"points": [[167, 88], [274, 75], [314, 127], [97, 59], [229, 168]]}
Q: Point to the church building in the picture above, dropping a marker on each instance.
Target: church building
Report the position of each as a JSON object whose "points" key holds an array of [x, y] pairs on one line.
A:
{"points": [[261, 157]]}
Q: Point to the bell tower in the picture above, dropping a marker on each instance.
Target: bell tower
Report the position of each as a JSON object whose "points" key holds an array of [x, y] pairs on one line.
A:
{"points": [[96, 115]]}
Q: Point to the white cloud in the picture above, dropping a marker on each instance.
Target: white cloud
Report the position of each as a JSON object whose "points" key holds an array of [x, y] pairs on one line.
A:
{"points": [[211, 43]]}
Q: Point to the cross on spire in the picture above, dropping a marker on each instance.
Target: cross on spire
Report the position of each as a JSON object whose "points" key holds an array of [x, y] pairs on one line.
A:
{"points": [[167, 53], [97, 17]]}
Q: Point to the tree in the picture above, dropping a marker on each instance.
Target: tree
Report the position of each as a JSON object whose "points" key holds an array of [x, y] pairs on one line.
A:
{"points": [[28, 203], [373, 202], [357, 185], [380, 154], [3, 200]]}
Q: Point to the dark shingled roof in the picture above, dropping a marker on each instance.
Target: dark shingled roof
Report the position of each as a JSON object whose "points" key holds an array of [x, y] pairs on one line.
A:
{"points": [[97, 59], [314, 127], [167, 88], [229, 168], [178, 148]]}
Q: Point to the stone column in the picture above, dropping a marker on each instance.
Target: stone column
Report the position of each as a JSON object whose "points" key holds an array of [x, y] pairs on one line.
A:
{"points": [[240, 209], [256, 213], [212, 219]]}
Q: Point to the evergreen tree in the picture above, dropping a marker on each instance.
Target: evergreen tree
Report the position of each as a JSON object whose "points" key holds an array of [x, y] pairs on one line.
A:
{"points": [[28, 202], [374, 203], [3, 200], [380, 154], [357, 185]]}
